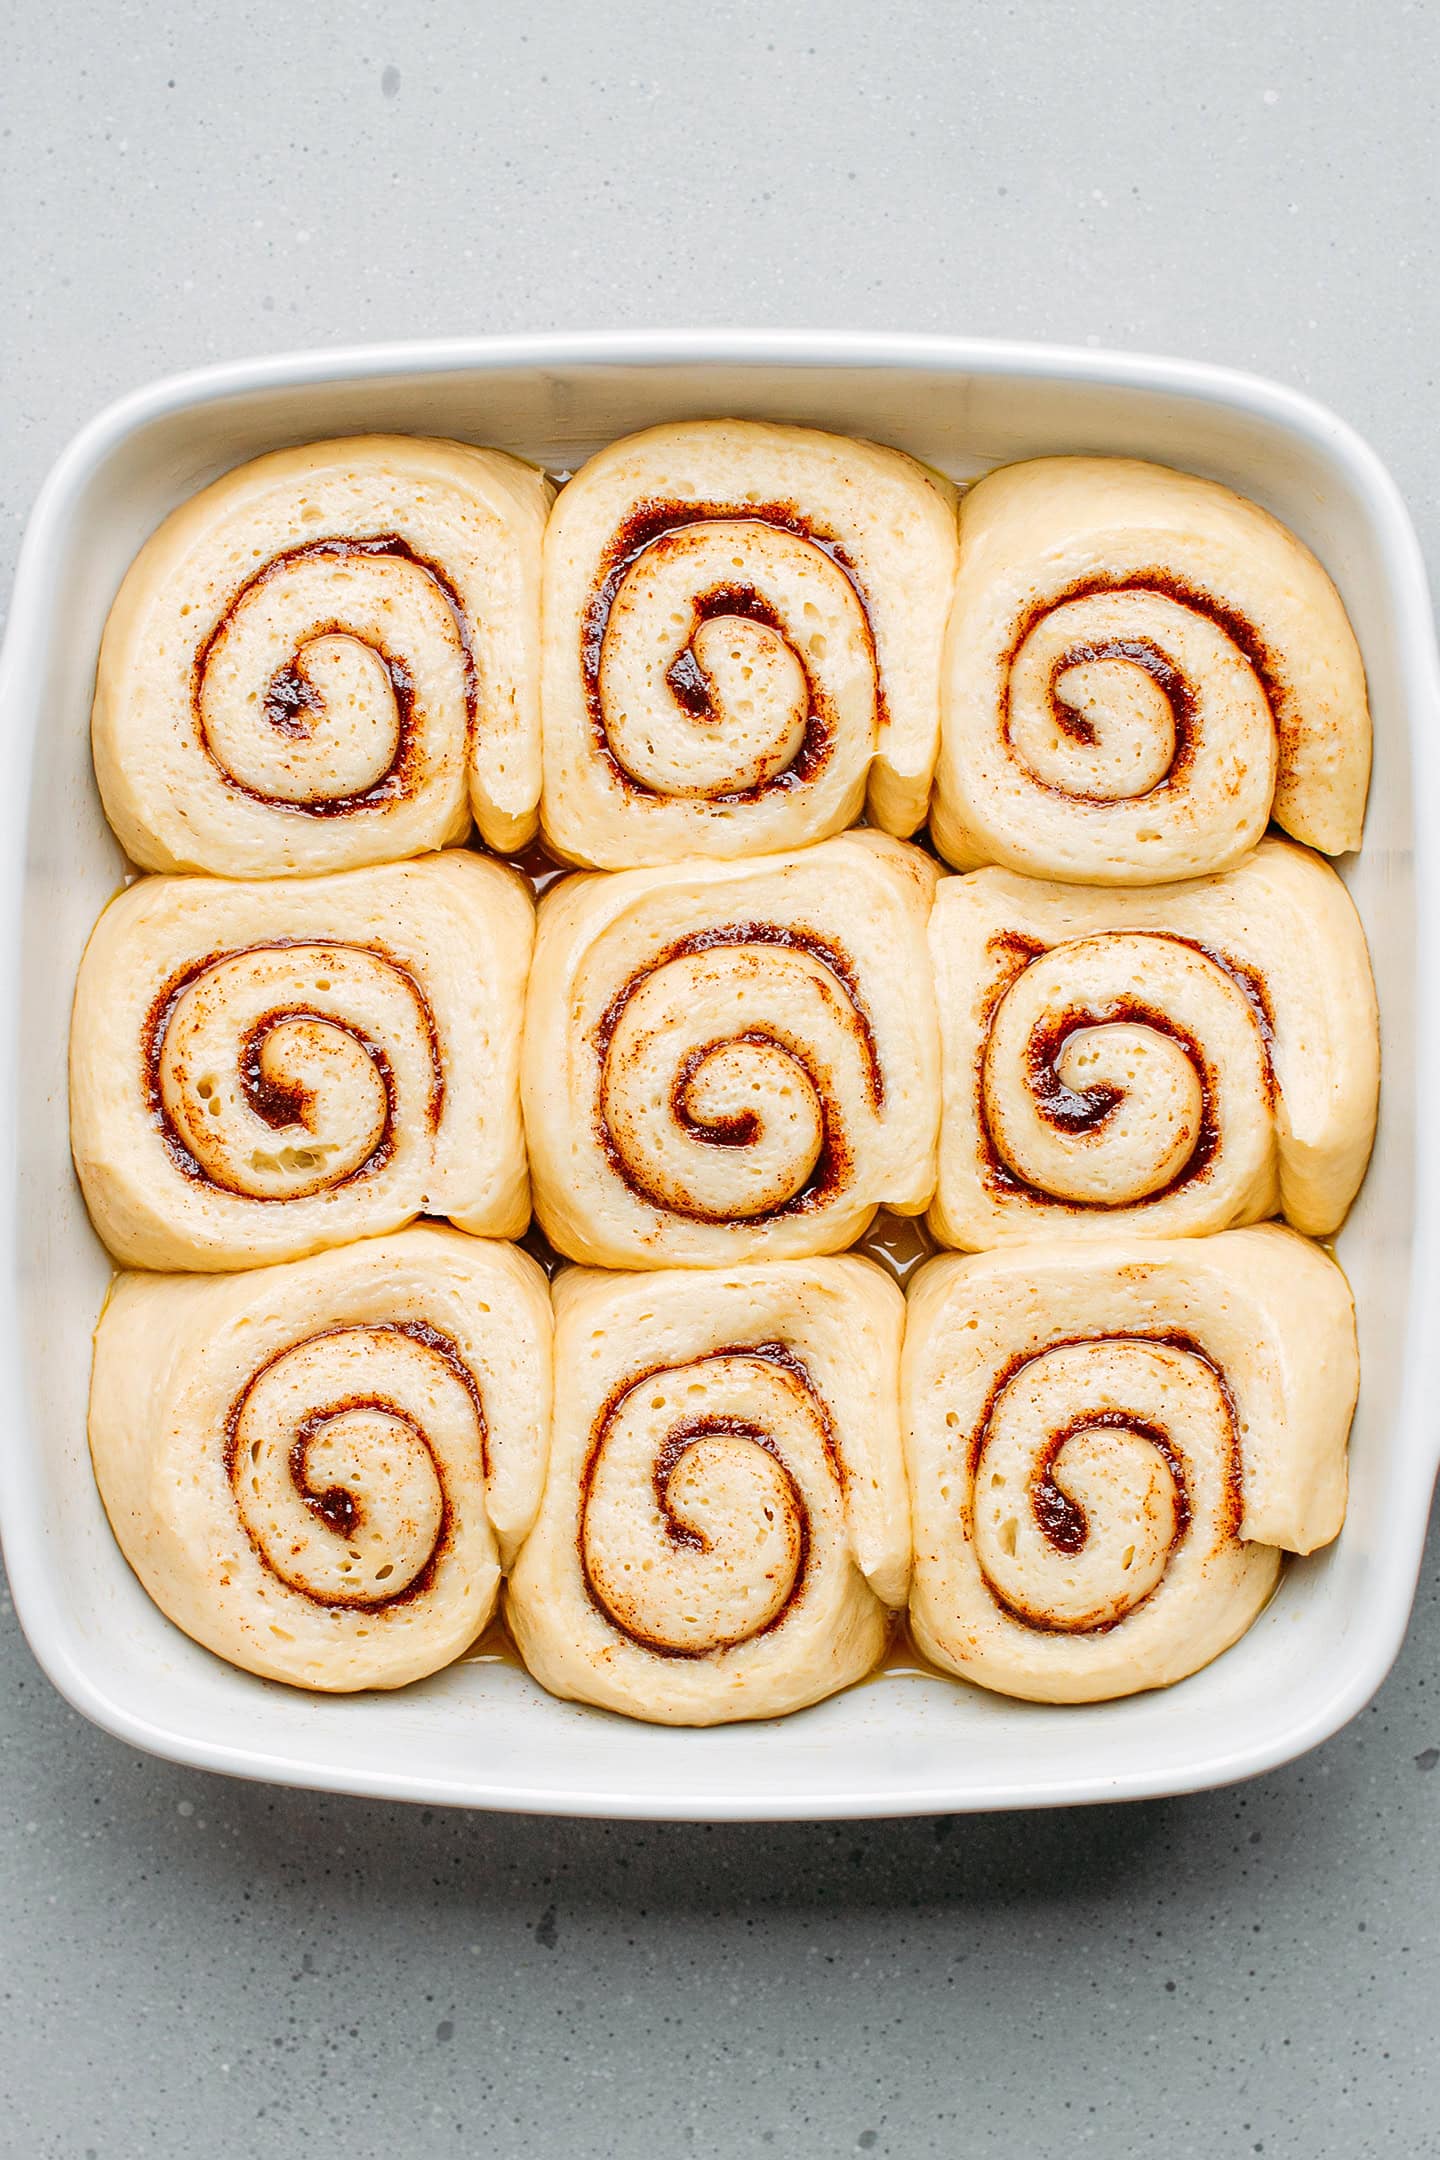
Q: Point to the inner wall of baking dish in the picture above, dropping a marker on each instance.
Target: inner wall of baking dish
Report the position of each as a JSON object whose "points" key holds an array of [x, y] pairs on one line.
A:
{"points": [[483, 1731]]}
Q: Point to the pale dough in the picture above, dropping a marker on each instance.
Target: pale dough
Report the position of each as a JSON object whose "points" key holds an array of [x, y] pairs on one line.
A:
{"points": [[742, 634], [1169, 1061], [725, 1525], [1110, 1445], [318, 1470], [259, 1070], [1141, 669], [727, 1061], [330, 657]]}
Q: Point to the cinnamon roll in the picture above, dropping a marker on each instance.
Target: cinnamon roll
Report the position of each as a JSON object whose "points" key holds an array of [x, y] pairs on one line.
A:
{"points": [[326, 659], [725, 1523], [257, 1071], [742, 632], [1110, 1446], [318, 1470], [732, 1061], [1141, 670], [1166, 1062]]}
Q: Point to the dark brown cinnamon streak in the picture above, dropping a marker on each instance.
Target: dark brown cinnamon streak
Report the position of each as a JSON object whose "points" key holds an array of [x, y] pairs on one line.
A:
{"points": [[833, 1164], [1058, 1516], [277, 1105], [340, 1510], [683, 1435], [1144, 653], [291, 701], [1086, 1110], [648, 526]]}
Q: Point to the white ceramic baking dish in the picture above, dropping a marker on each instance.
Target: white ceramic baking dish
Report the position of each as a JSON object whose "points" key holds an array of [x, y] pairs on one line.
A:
{"points": [[481, 1734]]}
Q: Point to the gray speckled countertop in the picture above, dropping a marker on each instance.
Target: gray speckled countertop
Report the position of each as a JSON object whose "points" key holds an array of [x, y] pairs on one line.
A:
{"points": [[193, 1966]]}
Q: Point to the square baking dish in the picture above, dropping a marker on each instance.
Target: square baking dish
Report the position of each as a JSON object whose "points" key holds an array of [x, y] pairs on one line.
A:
{"points": [[482, 1734]]}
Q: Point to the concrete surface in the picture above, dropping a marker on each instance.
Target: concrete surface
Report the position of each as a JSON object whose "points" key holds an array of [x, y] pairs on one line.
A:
{"points": [[194, 1967]]}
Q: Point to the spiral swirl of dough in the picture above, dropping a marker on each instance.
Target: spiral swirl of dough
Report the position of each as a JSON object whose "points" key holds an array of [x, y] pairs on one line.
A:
{"points": [[725, 1069], [742, 633], [724, 1518], [282, 1072], [326, 659], [1109, 1449], [1173, 1061], [335, 676], [729, 658], [1142, 668], [341, 1453], [318, 1469], [1120, 1067], [1097, 1465], [258, 1070], [732, 1061], [733, 1459]]}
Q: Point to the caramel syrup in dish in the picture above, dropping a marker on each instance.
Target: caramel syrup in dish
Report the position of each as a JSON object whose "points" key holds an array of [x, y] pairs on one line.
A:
{"points": [[899, 1243], [493, 1647], [904, 1660]]}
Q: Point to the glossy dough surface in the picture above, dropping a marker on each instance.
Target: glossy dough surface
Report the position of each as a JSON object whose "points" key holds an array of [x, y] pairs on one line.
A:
{"points": [[1110, 1445], [742, 632], [732, 1061], [328, 658], [1141, 669], [725, 1523], [260, 1070], [1169, 1062], [318, 1470]]}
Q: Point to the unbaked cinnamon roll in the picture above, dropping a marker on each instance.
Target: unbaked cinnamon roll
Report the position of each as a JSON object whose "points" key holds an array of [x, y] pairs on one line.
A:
{"points": [[1167, 1062], [318, 1470], [257, 1071], [725, 1525], [1141, 670], [732, 1061], [328, 658], [1110, 1446], [742, 634]]}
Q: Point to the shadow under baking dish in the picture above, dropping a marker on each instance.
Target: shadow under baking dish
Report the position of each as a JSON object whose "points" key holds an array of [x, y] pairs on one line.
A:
{"points": [[482, 1733]]}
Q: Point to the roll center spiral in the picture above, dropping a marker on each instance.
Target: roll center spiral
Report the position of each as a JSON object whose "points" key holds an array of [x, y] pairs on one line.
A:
{"points": [[336, 1452], [698, 1500], [723, 1068], [1111, 693], [724, 651], [278, 1072], [1094, 1463], [1115, 1067], [330, 672]]}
